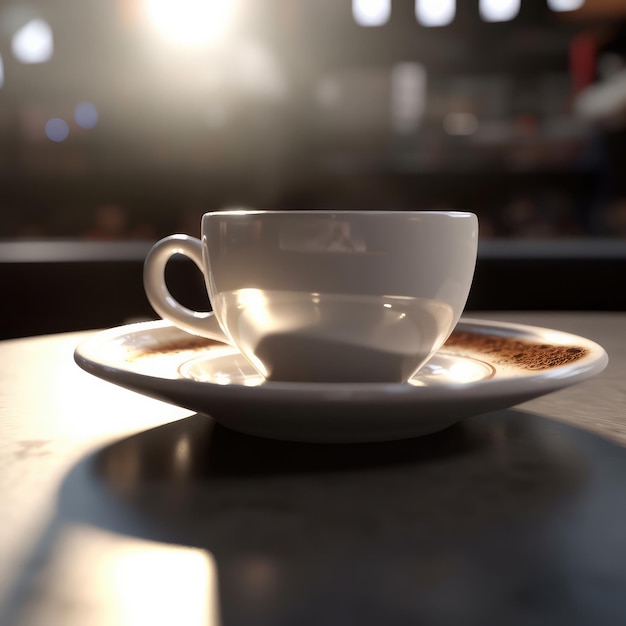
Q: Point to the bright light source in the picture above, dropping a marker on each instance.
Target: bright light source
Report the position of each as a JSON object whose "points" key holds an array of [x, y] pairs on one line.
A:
{"points": [[57, 129], [191, 22], [33, 43], [460, 123], [435, 12], [371, 12], [565, 5], [86, 115], [498, 10]]}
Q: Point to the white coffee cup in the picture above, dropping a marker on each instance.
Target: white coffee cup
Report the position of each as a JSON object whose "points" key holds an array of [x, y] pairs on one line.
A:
{"points": [[350, 296]]}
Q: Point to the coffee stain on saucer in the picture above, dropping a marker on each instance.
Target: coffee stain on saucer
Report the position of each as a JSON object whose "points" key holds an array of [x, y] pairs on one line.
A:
{"points": [[191, 344], [507, 351]]}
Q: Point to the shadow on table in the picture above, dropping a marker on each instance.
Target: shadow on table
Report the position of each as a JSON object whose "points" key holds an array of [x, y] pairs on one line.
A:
{"points": [[503, 516], [196, 483]]}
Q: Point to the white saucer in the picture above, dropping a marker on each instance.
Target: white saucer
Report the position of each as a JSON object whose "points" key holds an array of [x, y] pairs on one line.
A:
{"points": [[484, 366]]}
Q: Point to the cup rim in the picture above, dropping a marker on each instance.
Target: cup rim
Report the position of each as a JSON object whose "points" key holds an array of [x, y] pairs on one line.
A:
{"points": [[328, 212]]}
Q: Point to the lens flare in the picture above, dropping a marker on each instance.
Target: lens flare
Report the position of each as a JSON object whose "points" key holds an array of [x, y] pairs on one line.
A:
{"points": [[190, 22]]}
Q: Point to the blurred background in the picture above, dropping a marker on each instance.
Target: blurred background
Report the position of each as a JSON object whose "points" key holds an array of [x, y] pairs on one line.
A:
{"points": [[128, 119], [124, 121]]}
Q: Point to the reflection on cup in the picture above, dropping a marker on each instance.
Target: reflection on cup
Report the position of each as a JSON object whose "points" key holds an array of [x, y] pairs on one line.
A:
{"points": [[323, 235]]}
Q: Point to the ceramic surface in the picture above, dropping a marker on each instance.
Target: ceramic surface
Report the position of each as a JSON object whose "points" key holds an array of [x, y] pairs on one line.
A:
{"points": [[362, 296], [484, 366]]}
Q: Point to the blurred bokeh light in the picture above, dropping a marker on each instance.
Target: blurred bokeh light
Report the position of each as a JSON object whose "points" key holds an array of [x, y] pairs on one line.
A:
{"points": [[86, 115], [33, 42], [57, 129], [435, 12], [499, 10], [371, 12]]}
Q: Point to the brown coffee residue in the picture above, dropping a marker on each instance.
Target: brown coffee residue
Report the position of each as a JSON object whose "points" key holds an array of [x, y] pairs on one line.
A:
{"points": [[184, 344], [513, 352]]}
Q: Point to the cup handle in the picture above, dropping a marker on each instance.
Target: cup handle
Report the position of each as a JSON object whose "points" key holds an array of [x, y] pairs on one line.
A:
{"points": [[203, 323]]}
